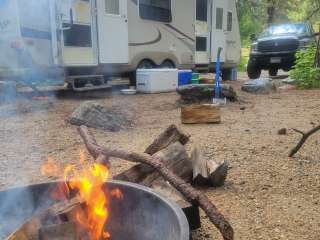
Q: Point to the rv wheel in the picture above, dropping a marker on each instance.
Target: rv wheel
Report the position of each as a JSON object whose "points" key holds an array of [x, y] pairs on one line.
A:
{"points": [[167, 64], [146, 64]]}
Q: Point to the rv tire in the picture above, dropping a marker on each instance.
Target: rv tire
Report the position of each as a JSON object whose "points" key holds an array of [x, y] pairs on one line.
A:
{"points": [[167, 64], [144, 64], [253, 71]]}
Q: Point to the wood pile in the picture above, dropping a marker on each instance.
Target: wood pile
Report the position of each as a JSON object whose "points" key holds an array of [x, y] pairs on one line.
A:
{"points": [[157, 170]]}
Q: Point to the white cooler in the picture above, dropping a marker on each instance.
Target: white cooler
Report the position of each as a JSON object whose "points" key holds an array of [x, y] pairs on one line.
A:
{"points": [[157, 80]]}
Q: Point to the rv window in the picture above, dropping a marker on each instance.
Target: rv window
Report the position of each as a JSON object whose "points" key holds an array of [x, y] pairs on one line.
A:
{"points": [[219, 18], [229, 22], [112, 7], [202, 10], [157, 10], [77, 36], [201, 44]]}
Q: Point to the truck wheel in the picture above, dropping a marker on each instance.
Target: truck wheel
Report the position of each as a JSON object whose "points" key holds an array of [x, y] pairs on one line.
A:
{"points": [[273, 72], [253, 71]]}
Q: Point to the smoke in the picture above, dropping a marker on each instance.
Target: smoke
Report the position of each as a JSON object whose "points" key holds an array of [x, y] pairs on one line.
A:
{"points": [[26, 59], [20, 204]]}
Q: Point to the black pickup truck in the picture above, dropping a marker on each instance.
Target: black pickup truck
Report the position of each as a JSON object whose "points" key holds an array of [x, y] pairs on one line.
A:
{"points": [[276, 46]]}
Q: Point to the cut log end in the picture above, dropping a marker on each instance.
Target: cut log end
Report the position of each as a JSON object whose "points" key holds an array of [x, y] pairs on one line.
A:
{"points": [[205, 113]]}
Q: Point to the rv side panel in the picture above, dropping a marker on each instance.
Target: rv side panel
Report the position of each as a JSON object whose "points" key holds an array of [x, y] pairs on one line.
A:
{"points": [[34, 18], [158, 41]]}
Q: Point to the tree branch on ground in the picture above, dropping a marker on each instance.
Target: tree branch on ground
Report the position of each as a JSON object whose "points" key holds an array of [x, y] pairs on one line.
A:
{"points": [[304, 138]]}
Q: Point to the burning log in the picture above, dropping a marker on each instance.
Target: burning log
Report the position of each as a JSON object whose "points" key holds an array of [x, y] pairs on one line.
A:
{"points": [[63, 231], [48, 221], [191, 194]]}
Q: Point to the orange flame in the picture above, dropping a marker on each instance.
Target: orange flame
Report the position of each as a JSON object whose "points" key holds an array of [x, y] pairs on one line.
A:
{"points": [[88, 182], [50, 168]]}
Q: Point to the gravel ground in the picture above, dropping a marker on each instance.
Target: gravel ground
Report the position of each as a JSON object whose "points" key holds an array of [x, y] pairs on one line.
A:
{"points": [[267, 195]]}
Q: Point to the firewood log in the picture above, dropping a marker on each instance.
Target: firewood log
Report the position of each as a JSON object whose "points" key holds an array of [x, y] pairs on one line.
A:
{"points": [[206, 171], [139, 172]]}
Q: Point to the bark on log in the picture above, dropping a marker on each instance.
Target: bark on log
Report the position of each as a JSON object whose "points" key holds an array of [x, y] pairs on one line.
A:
{"points": [[191, 194], [207, 171], [304, 138], [204, 93], [174, 157], [171, 135], [204, 113], [139, 172]]}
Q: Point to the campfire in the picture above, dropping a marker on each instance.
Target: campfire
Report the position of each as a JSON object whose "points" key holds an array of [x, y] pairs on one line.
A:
{"points": [[88, 182], [87, 205], [81, 216]]}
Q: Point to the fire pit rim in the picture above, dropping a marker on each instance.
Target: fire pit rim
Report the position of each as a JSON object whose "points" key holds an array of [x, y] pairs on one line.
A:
{"points": [[182, 220]]}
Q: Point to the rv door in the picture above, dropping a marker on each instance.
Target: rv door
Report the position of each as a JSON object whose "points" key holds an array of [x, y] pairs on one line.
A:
{"points": [[76, 42], [218, 29], [113, 31]]}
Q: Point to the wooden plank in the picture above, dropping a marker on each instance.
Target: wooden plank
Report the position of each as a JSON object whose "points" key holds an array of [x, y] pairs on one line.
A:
{"points": [[204, 113]]}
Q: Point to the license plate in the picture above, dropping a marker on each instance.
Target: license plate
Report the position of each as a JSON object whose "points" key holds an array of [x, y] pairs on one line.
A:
{"points": [[275, 60]]}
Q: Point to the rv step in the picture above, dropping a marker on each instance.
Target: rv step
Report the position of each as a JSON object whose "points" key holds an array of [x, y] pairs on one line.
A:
{"points": [[203, 69], [82, 83]]}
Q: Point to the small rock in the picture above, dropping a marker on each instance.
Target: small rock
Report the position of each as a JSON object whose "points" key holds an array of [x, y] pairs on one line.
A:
{"points": [[259, 86], [243, 108], [288, 81], [282, 131], [94, 115]]}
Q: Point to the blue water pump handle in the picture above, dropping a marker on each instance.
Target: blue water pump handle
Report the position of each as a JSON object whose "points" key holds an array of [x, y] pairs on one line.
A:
{"points": [[217, 89]]}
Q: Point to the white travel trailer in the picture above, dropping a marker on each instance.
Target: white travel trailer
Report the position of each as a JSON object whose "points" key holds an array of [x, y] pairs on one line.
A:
{"points": [[82, 41]]}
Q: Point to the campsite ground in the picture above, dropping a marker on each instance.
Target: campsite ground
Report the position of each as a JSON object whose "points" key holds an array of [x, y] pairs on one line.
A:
{"points": [[266, 196]]}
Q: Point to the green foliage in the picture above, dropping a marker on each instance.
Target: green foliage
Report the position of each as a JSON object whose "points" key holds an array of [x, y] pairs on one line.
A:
{"points": [[304, 72], [244, 60], [254, 14]]}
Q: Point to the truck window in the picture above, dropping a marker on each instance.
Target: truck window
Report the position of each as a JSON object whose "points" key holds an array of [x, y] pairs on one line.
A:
{"points": [[229, 22], [156, 10], [112, 7], [219, 18], [202, 10]]}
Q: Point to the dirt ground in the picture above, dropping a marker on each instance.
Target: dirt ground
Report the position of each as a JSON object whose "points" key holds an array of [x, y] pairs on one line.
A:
{"points": [[267, 195]]}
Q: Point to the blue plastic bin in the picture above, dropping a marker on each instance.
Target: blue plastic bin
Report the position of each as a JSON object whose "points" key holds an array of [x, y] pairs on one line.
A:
{"points": [[184, 77]]}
